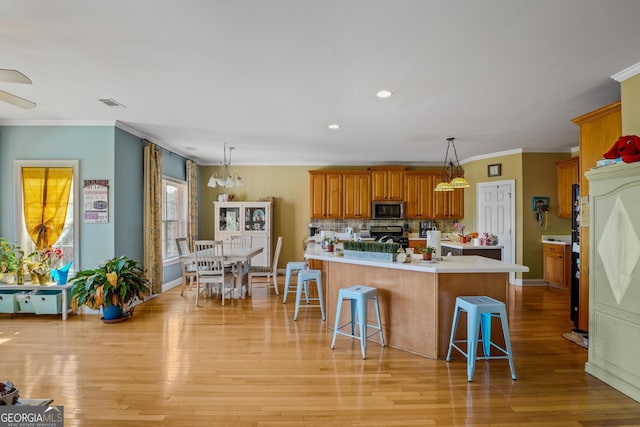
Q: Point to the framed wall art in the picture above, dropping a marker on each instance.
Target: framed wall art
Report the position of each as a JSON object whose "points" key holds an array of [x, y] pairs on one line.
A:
{"points": [[494, 169]]}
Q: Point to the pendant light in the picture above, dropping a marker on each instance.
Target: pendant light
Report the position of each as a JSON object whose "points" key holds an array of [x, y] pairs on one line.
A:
{"points": [[226, 180], [452, 173]]}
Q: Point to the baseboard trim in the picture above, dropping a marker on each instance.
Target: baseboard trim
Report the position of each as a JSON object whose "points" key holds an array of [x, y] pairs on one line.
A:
{"points": [[170, 285]]}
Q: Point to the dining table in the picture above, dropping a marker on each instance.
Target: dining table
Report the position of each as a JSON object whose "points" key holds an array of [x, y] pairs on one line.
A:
{"points": [[236, 257]]}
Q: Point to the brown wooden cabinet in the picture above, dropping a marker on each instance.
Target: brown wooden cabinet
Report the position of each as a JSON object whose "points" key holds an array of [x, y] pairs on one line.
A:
{"points": [[418, 195], [557, 264], [424, 203], [599, 129], [387, 182], [455, 204], [326, 194], [416, 243], [356, 190], [448, 204], [567, 175]]}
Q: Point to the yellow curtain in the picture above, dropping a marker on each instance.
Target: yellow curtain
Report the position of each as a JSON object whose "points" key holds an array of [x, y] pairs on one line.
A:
{"points": [[46, 198], [192, 189], [153, 216]]}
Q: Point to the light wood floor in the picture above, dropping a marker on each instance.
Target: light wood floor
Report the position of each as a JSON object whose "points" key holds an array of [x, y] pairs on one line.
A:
{"points": [[248, 363]]}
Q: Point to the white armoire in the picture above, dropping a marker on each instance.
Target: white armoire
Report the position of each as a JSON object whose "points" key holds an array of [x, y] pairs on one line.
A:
{"points": [[242, 218], [614, 271]]}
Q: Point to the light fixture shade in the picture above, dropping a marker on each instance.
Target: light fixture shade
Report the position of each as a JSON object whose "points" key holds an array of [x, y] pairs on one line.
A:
{"points": [[443, 186], [459, 182], [227, 180]]}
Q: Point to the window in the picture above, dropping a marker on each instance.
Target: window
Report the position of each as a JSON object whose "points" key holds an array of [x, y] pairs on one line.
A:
{"points": [[174, 215], [69, 240]]}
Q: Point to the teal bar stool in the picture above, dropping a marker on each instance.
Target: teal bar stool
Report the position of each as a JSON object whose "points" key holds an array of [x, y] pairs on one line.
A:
{"points": [[480, 310], [292, 268], [303, 282], [359, 297]]}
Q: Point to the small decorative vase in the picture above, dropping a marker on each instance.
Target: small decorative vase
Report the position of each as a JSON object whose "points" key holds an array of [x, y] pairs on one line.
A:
{"points": [[41, 278], [329, 248], [111, 312], [426, 257]]}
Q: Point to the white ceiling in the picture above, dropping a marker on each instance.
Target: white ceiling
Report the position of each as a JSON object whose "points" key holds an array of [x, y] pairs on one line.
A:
{"points": [[268, 76]]}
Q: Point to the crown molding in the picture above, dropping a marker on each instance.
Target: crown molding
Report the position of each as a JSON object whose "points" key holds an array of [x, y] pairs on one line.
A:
{"points": [[627, 73], [56, 123]]}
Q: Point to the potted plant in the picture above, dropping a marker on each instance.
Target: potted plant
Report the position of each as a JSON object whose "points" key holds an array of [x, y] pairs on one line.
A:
{"points": [[10, 260], [329, 244], [427, 252], [41, 262], [114, 287], [371, 250]]}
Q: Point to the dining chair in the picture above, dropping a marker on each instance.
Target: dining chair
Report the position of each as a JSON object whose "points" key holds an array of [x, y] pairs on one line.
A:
{"points": [[210, 270], [271, 273], [188, 266], [240, 241]]}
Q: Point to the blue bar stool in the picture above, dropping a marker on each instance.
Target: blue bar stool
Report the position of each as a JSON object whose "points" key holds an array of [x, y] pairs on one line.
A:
{"points": [[303, 282], [292, 268], [480, 310], [359, 297]]}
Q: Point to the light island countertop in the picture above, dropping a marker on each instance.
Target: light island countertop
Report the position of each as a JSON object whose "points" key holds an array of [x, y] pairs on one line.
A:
{"points": [[447, 264]]}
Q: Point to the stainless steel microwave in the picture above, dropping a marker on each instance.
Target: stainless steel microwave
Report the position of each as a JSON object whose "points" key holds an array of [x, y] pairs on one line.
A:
{"points": [[387, 210]]}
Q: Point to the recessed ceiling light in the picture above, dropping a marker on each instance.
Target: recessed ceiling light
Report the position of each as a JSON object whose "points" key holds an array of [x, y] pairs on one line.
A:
{"points": [[384, 93], [334, 126]]}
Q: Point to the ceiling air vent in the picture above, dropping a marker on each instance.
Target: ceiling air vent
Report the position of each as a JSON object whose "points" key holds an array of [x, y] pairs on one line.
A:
{"points": [[110, 102]]}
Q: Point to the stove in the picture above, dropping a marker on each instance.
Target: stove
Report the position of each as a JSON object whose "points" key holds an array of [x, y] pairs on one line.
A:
{"points": [[386, 232]]}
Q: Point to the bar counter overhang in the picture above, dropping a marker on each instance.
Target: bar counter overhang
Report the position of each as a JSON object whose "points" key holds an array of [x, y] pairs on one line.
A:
{"points": [[416, 299]]}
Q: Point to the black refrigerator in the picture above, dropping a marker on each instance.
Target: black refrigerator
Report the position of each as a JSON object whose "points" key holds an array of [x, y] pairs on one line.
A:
{"points": [[575, 257]]}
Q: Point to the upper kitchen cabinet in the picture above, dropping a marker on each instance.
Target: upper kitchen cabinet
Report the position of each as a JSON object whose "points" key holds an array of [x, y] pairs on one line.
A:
{"points": [[356, 190], [448, 204], [387, 182], [599, 129], [424, 203], [418, 194], [567, 175], [326, 194]]}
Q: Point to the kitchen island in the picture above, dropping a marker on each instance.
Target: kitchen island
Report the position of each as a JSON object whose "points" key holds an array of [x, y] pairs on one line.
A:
{"points": [[416, 299]]}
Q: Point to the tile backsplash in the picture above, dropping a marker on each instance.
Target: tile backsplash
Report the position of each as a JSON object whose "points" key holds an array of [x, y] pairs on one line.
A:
{"points": [[338, 225]]}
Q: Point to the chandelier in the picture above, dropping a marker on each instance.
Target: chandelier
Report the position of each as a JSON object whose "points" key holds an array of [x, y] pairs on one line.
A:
{"points": [[452, 173], [227, 180]]}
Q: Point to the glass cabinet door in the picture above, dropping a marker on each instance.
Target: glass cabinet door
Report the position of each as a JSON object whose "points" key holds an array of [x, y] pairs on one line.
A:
{"points": [[254, 219], [229, 219]]}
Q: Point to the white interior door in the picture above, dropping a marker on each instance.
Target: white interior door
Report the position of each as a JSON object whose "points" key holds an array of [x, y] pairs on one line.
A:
{"points": [[496, 215]]}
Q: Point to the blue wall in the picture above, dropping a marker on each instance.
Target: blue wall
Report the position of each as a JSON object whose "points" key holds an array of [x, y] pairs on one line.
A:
{"points": [[104, 152], [128, 200], [91, 145]]}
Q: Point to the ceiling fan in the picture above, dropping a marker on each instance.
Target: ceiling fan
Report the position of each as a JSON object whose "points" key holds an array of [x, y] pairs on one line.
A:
{"points": [[14, 76]]}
